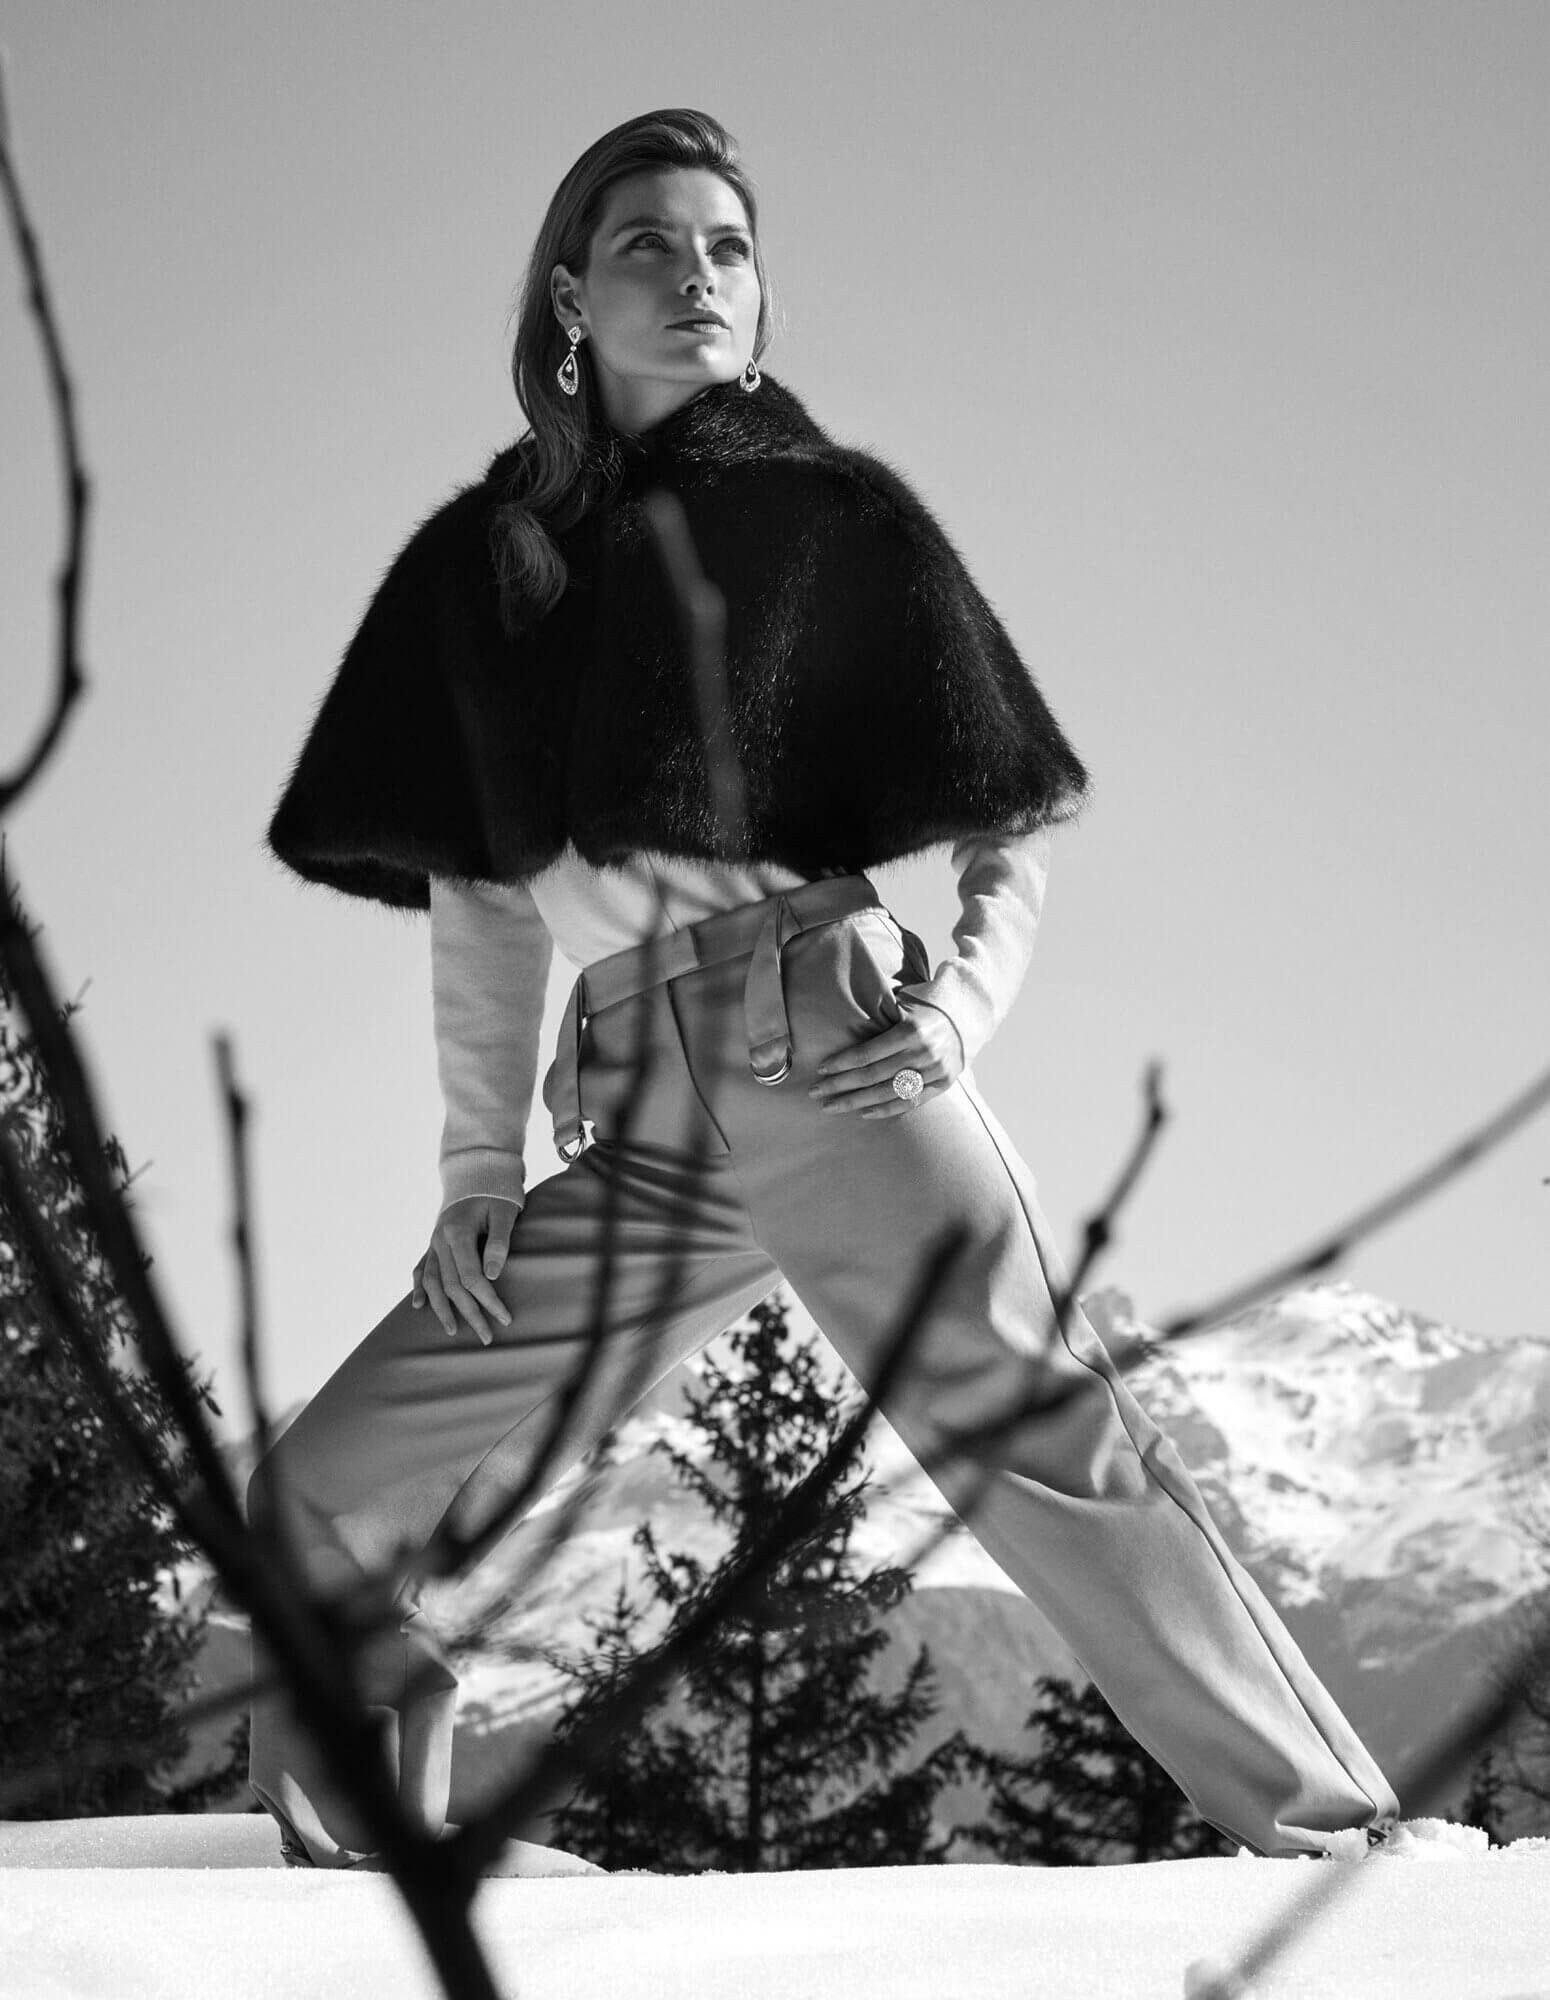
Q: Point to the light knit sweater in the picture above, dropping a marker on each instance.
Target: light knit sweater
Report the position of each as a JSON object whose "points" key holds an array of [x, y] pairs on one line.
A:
{"points": [[492, 946]]}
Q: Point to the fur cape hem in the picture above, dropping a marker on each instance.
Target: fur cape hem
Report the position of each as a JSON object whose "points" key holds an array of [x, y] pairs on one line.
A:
{"points": [[874, 701]]}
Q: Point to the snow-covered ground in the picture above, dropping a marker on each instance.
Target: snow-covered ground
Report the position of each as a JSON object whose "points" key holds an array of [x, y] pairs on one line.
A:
{"points": [[163, 1909]]}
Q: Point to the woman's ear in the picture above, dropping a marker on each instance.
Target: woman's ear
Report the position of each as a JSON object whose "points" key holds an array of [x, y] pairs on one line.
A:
{"points": [[562, 294]]}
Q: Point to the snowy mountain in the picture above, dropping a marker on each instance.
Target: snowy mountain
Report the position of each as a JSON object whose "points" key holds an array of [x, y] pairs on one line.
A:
{"points": [[1378, 1472], [1371, 1467]]}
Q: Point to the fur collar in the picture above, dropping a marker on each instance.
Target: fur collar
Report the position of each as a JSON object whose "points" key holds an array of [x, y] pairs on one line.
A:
{"points": [[875, 702]]}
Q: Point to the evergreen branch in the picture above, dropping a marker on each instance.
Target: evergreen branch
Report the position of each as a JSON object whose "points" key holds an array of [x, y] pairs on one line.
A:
{"points": [[28, 980], [561, 1763], [311, 1648], [38, 1776], [55, 1279], [1339, 1242], [71, 681]]}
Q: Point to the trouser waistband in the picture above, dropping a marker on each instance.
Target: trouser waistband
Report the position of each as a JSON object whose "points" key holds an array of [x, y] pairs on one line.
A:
{"points": [[762, 930]]}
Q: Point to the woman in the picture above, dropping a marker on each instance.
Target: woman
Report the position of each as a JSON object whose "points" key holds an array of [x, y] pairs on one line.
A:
{"points": [[775, 1082]]}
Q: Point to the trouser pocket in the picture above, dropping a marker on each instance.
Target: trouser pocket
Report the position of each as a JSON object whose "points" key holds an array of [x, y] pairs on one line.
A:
{"points": [[841, 982]]}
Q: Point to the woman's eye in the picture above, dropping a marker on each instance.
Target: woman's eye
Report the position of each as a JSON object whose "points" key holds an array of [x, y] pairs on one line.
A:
{"points": [[739, 244]]}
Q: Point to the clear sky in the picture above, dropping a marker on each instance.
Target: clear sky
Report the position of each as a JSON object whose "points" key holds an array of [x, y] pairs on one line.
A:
{"points": [[1214, 333]]}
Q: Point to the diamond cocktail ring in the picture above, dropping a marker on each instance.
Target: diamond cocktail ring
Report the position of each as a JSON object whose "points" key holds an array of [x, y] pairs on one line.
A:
{"points": [[908, 1084]]}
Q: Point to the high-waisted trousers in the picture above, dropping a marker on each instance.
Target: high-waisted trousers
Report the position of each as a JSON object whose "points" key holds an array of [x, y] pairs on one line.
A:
{"points": [[718, 1175]]}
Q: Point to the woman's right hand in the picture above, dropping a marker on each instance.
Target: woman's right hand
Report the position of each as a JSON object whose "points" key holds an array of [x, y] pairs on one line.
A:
{"points": [[451, 1273]]}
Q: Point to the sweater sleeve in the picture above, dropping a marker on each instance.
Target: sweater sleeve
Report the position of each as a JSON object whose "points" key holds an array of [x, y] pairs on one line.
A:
{"points": [[1001, 880], [490, 956]]}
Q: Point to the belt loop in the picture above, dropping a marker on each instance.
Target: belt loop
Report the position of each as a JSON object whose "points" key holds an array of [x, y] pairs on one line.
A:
{"points": [[764, 999], [570, 1135]]}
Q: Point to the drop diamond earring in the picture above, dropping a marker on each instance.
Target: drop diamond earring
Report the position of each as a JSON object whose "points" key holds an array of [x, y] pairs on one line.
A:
{"points": [[750, 377], [568, 375]]}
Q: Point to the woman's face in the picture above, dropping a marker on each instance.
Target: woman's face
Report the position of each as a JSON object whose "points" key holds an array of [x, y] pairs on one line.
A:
{"points": [[667, 245]]}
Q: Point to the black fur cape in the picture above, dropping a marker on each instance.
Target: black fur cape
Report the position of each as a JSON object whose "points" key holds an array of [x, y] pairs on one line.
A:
{"points": [[874, 699]]}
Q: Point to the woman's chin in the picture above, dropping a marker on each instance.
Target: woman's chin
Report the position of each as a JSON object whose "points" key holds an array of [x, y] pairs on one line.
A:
{"points": [[703, 361]]}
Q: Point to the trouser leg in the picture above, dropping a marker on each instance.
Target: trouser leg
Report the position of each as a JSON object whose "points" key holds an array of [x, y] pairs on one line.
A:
{"points": [[1087, 1507], [415, 1424]]}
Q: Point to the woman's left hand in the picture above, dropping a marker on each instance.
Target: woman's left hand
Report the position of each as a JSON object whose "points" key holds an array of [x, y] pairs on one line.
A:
{"points": [[861, 1078]]}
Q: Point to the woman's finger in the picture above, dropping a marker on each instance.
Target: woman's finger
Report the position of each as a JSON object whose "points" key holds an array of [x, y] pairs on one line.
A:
{"points": [[465, 1308], [436, 1296], [497, 1242], [880, 1063], [893, 1106], [455, 1287], [881, 1096], [469, 1308], [476, 1287], [854, 1082], [892, 1042]]}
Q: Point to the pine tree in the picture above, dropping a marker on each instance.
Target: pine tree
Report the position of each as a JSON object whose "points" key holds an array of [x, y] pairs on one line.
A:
{"points": [[787, 1759], [1088, 1793], [94, 1661], [1485, 1803], [635, 1808], [1509, 1791]]}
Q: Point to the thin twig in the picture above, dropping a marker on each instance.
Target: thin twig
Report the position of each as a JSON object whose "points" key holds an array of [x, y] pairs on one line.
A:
{"points": [[1340, 1241], [1097, 1235], [703, 610], [311, 1644], [306, 1641], [236, 1107], [452, 1549], [71, 680], [312, 1648], [1426, 1784]]}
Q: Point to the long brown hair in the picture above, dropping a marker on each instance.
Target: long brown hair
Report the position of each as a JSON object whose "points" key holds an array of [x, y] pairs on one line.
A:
{"points": [[568, 461]]}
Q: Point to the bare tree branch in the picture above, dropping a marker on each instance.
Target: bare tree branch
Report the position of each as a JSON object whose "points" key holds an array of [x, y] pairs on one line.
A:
{"points": [[1341, 1240], [1097, 1234], [704, 613], [1427, 1784], [70, 679], [311, 1645], [236, 1107], [452, 1549], [310, 1642]]}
